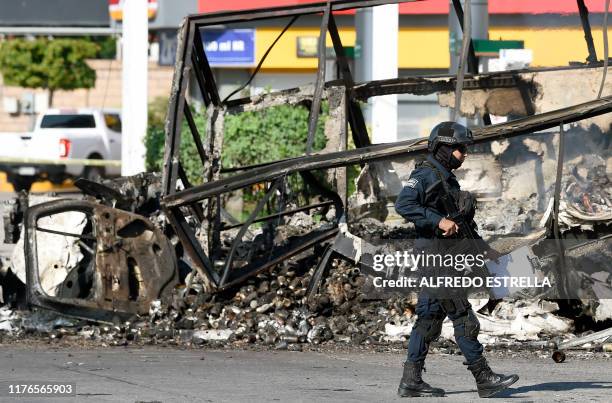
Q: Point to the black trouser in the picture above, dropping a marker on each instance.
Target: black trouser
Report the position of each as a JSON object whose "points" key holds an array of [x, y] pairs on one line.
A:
{"points": [[428, 326]]}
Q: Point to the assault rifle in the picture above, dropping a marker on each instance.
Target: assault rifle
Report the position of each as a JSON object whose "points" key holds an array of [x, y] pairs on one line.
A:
{"points": [[466, 241]]}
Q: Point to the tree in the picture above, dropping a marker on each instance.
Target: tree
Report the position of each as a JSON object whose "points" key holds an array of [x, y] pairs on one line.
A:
{"points": [[57, 64]]}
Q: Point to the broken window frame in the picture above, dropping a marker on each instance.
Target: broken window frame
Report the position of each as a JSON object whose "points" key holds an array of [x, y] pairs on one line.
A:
{"points": [[98, 306], [204, 200]]}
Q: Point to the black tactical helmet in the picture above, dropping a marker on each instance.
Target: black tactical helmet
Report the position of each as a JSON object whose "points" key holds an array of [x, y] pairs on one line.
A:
{"points": [[450, 133]]}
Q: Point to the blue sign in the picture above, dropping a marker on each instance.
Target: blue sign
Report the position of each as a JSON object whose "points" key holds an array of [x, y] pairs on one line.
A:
{"points": [[229, 47]]}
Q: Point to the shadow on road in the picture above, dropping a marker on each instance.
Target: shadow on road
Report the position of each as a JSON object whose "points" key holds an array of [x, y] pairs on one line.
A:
{"points": [[555, 387], [542, 387]]}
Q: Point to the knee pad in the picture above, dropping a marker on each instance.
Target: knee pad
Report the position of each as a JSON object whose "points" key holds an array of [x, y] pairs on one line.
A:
{"points": [[467, 325], [430, 329]]}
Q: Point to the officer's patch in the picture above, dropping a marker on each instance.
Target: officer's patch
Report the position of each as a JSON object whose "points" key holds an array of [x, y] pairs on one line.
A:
{"points": [[412, 182]]}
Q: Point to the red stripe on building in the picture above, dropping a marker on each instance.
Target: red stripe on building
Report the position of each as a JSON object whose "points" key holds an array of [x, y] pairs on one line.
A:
{"points": [[422, 7]]}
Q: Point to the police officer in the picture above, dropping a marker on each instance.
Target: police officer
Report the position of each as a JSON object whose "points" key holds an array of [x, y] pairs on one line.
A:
{"points": [[447, 148]]}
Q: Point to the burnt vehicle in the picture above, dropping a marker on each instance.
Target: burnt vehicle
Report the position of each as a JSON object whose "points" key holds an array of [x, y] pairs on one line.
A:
{"points": [[225, 251]]}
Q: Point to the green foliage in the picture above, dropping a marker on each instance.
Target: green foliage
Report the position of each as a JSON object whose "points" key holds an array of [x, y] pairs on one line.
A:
{"points": [[158, 108], [275, 133], [155, 141], [250, 138], [50, 64], [107, 46]]}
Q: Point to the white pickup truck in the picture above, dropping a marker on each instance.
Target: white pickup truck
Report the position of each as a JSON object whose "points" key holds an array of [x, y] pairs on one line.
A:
{"points": [[63, 135]]}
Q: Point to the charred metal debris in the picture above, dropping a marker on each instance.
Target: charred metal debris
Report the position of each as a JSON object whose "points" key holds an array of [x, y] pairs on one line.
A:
{"points": [[159, 245]]}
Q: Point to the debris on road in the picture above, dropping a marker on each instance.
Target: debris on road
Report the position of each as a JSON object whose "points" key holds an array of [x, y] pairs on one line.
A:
{"points": [[154, 259]]}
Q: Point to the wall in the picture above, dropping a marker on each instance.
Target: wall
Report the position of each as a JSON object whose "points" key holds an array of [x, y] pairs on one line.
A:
{"points": [[107, 92], [428, 47]]}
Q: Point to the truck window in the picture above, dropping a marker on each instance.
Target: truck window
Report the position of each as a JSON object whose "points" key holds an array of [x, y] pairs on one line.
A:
{"points": [[68, 122], [113, 122]]}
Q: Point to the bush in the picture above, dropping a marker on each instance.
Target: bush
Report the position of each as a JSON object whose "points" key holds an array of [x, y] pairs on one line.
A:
{"points": [[155, 141], [250, 138], [272, 134]]}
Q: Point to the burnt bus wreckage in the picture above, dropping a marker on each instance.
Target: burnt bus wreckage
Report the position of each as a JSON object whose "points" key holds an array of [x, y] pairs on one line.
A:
{"points": [[133, 256]]}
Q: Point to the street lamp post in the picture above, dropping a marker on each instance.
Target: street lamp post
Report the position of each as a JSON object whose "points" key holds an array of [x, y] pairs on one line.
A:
{"points": [[135, 41]]}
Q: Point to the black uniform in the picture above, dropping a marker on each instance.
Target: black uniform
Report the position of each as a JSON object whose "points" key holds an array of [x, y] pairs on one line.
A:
{"points": [[422, 203], [417, 205]]}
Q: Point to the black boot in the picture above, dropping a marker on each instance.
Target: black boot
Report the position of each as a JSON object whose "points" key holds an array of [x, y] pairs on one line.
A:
{"points": [[487, 381], [412, 385]]}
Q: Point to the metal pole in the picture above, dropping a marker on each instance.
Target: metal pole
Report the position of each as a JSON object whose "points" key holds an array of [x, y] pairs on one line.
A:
{"points": [[480, 29], [377, 41], [586, 27], [466, 41], [135, 43], [560, 272]]}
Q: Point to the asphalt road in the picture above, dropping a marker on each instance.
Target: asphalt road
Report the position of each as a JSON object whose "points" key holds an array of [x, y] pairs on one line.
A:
{"points": [[169, 375]]}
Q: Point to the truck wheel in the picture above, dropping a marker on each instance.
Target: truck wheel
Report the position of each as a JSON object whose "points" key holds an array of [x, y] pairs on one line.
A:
{"points": [[94, 174]]}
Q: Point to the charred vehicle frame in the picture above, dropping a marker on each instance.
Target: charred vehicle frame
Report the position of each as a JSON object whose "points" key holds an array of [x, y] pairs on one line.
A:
{"points": [[184, 203]]}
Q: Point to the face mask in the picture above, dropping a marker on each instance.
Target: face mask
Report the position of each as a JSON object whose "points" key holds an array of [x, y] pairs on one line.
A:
{"points": [[445, 156], [454, 163]]}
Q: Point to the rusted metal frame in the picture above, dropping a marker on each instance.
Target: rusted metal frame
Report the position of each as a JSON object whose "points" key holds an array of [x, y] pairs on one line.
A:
{"points": [[204, 67], [472, 59], [336, 132], [229, 17], [313, 116], [300, 96], [68, 234], [560, 270], [263, 59], [294, 165], [195, 207], [355, 115], [315, 281], [345, 71], [238, 239], [195, 133], [586, 27], [212, 222], [284, 213], [526, 97], [311, 180], [257, 267], [200, 78], [194, 250], [357, 121], [426, 86], [423, 85], [249, 167], [215, 242], [240, 105], [106, 310], [182, 174], [176, 107], [385, 151], [35, 293]]}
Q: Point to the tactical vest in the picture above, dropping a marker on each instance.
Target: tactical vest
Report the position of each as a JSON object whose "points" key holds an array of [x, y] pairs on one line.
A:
{"points": [[465, 201]]}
